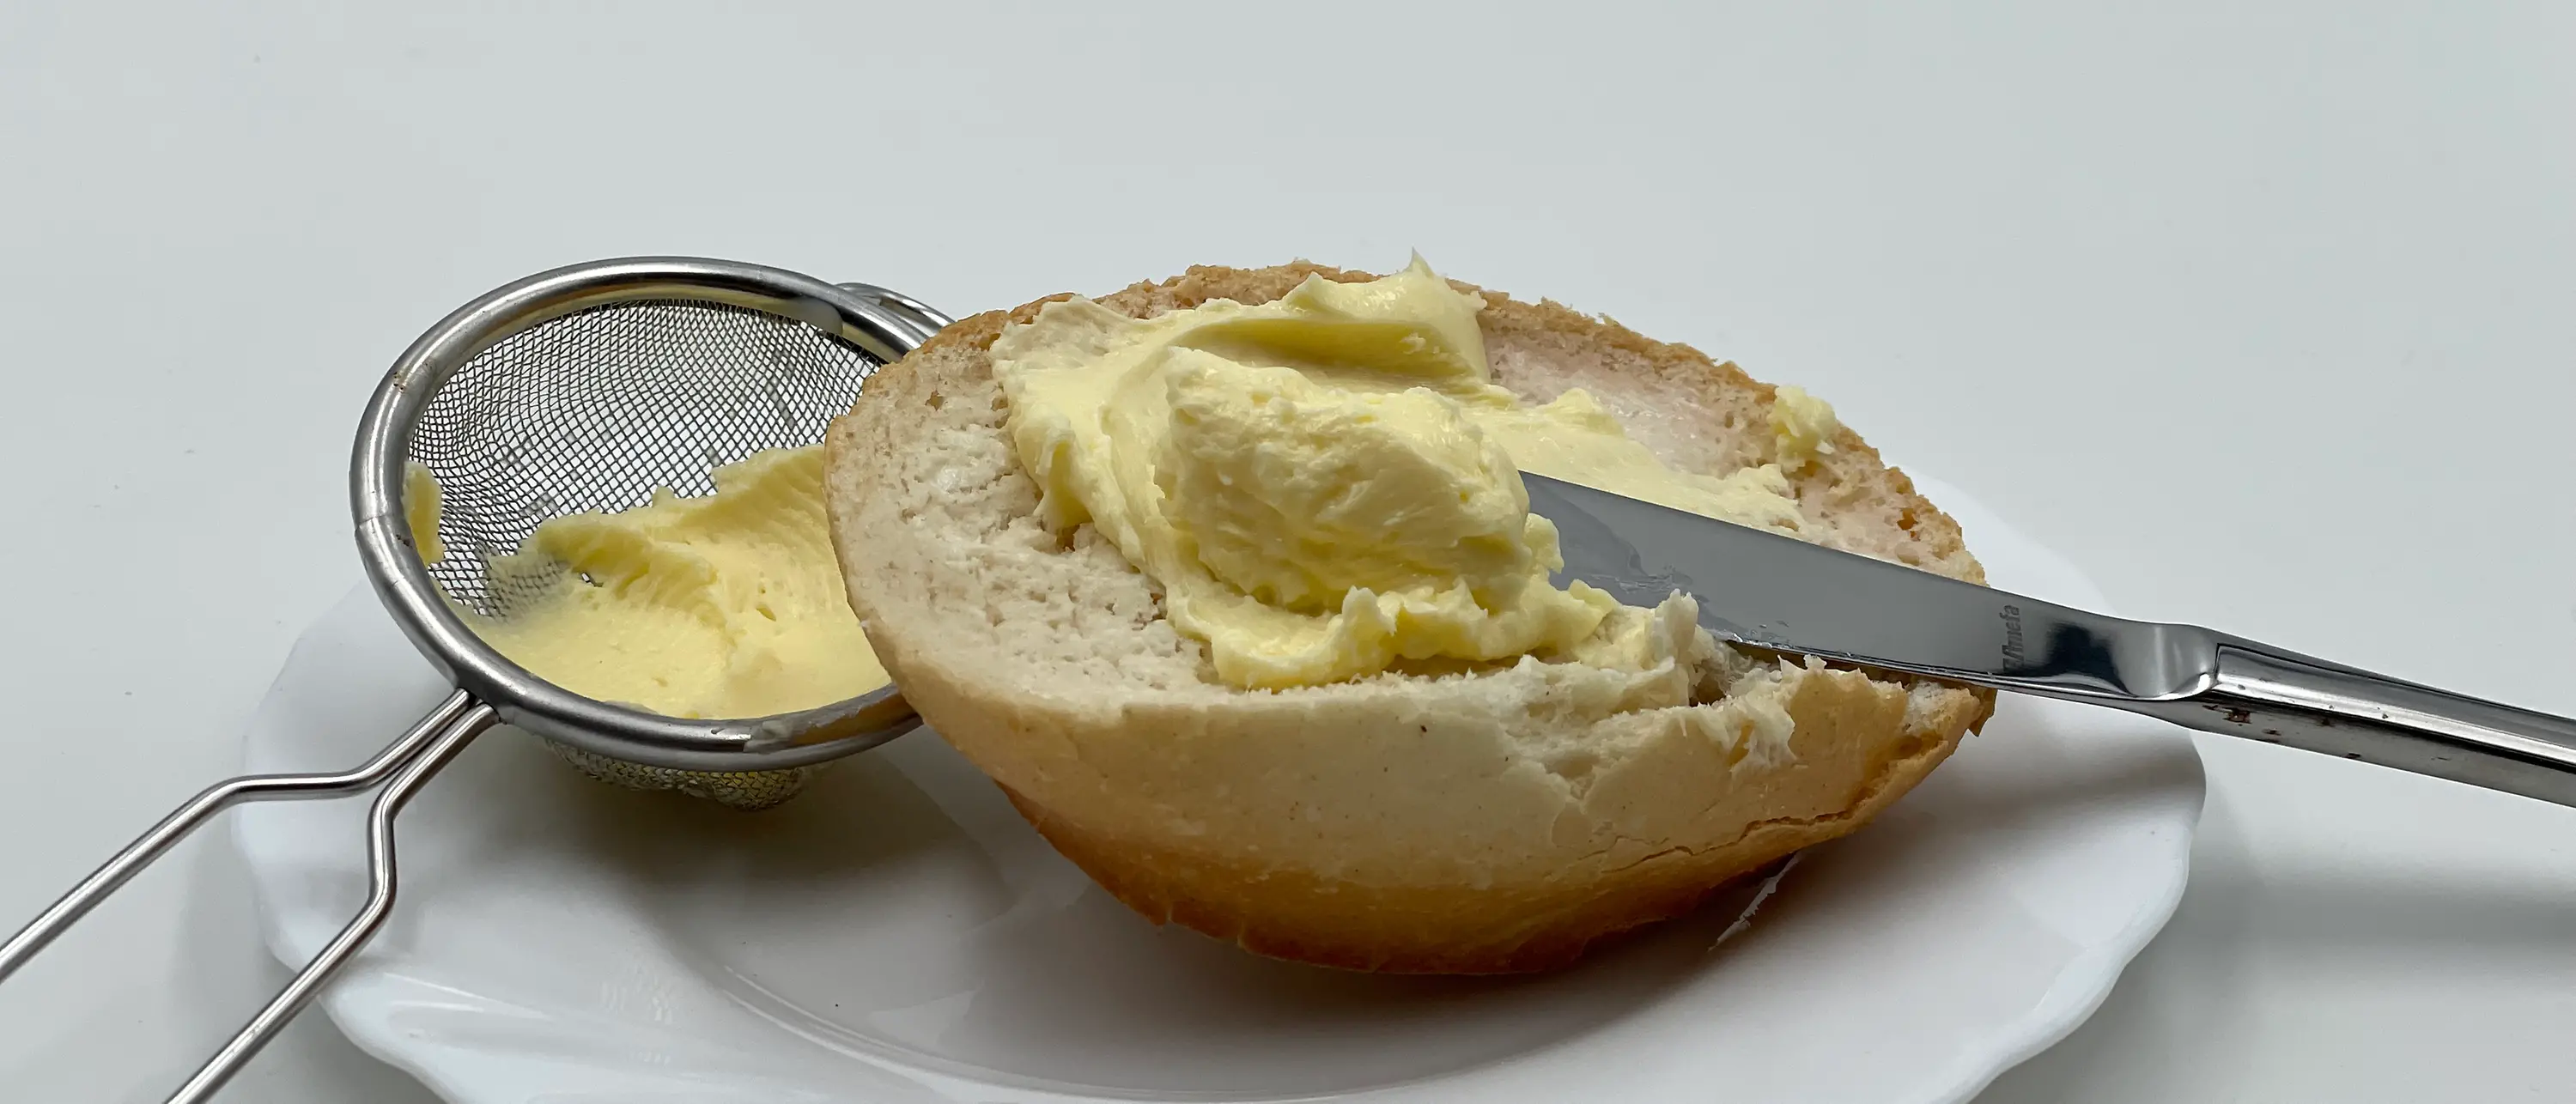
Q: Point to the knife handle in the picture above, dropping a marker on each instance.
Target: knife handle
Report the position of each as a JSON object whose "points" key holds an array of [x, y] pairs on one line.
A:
{"points": [[2277, 697]]}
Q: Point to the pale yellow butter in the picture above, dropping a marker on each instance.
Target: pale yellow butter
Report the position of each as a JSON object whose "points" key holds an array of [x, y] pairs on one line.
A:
{"points": [[1802, 426], [724, 606], [420, 512], [1328, 485]]}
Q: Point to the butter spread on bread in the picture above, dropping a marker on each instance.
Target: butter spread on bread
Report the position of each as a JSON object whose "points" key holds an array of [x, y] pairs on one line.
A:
{"points": [[1328, 484]]}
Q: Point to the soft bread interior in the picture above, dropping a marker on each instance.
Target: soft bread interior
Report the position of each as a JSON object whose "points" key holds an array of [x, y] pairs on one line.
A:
{"points": [[1500, 818]]}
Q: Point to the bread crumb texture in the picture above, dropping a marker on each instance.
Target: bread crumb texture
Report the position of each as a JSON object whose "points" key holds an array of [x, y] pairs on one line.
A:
{"points": [[1483, 819]]}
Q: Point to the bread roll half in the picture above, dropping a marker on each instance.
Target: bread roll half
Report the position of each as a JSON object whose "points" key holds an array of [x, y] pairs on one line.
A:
{"points": [[1500, 819]]}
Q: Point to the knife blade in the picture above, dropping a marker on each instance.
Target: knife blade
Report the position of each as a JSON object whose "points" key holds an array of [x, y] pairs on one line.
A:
{"points": [[1780, 594], [1783, 594]]}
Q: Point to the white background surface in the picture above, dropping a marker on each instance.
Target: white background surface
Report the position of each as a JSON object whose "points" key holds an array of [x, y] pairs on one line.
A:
{"points": [[2263, 316]]}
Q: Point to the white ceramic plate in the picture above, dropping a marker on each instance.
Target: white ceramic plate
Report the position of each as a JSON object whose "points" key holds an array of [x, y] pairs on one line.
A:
{"points": [[898, 935]]}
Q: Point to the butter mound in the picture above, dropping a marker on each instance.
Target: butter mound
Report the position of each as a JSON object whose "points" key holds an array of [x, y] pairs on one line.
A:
{"points": [[723, 606], [1802, 426], [1328, 486], [1346, 529], [420, 511]]}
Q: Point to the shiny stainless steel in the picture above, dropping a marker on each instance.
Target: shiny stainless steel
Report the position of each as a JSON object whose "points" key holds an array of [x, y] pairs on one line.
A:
{"points": [[1847, 608], [401, 580], [201, 808], [428, 756], [751, 762], [408, 762], [919, 316]]}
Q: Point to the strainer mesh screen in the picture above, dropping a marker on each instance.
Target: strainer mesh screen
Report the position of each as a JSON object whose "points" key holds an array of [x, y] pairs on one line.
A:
{"points": [[595, 409]]}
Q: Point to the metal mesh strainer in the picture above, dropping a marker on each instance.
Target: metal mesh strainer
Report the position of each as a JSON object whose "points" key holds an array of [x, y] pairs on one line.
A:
{"points": [[584, 388], [595, 409]]}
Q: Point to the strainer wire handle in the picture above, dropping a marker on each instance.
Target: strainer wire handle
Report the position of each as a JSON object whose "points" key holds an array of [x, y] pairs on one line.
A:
{"points": [[408, 762]]}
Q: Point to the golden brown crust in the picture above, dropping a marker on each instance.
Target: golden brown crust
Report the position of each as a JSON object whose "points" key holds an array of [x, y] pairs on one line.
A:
{"points": [[1414, 828]]}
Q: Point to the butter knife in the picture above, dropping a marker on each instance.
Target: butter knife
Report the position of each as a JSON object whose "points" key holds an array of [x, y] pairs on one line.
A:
{"points": [[1780, 594]]}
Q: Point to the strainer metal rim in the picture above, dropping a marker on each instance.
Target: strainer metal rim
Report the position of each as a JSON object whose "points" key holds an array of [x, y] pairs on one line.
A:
{"points": [[395, 570]]}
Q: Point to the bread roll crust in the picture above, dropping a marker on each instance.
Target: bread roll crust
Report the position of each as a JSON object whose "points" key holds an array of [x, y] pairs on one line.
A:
{"points": [[1404, 823]]}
